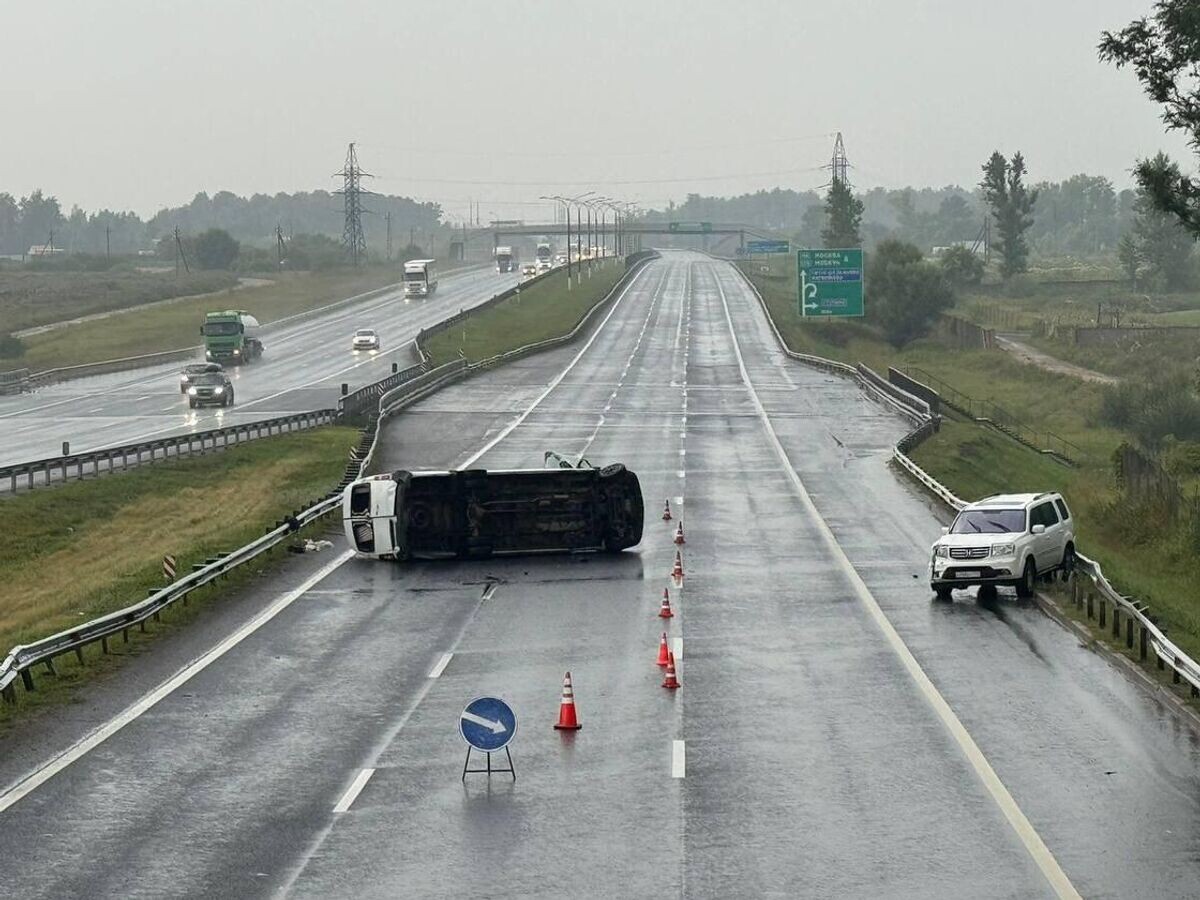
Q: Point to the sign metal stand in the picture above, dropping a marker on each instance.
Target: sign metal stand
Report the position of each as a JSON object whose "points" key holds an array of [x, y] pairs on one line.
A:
{"points": [[489, 770], [488, 724]]}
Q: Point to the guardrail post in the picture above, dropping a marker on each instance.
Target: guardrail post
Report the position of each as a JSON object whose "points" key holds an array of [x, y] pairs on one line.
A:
{"points": [[1103, 609], [1090, 599], [66, 448], [9, 694], [1129, 632], [27, 680], [1116, 626], [79, 654], [104, 645], [345, 389], [1142, 641]]}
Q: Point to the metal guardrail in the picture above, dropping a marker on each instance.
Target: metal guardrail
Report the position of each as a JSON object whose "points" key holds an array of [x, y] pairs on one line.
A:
{"points": [[989, 412], [21, 659], [14, 381], [105, 366], [81, 465], [365, 400], [1142, 634]]}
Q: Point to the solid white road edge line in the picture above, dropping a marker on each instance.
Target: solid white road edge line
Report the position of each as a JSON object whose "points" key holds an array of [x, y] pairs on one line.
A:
{"points": [[352, 792], [436, 671], [1025, 831], [678, 759], [43, 774]]}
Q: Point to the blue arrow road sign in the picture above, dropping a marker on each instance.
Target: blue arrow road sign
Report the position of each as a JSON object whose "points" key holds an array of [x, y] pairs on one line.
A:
{"points": [[487, 724]]}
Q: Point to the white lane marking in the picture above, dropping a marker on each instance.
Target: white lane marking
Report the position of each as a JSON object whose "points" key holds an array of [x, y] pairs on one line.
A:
{"points": [[554, 382], [677, 648], [354, 790], [436, 671], [97, 409], [88, 743], [1025, 831], [678, 759], [143, 397]]}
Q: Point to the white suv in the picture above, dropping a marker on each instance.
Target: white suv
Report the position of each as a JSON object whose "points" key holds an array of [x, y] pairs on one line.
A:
{"points": [[1008, 539]]}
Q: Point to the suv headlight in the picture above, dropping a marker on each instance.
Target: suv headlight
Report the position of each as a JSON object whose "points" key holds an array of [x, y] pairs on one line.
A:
{"points": [[940, 551], [1004, 549], [219, 390], [192, 391]]}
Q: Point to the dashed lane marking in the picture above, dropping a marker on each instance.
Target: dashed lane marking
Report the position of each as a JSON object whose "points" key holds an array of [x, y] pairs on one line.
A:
{"points": [[354, 790], [1024, 829], [436, 671], [678, 759]]}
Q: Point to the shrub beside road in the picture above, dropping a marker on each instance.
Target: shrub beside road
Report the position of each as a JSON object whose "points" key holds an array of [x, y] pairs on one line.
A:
{"points": [[1143, 554]]}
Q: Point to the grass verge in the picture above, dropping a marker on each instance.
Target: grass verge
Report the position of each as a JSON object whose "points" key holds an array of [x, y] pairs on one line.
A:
{"points": [[974, 460], [115, 530], [29, 298], [177, 325], [543, 310]]}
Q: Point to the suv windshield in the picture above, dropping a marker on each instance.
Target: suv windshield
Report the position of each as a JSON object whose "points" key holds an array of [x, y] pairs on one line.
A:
{"points": [[989, 521], [209, 378]]}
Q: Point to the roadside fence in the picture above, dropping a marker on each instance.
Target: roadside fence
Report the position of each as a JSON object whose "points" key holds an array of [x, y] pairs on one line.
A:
{"points": [[70, 466], [22, 660], [1091, 593]]}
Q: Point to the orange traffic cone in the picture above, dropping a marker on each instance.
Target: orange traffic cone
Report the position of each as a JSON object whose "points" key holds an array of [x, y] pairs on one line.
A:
{"points": [[664, 611], [677, 572], [566, 709], [670, 681], [667, 510], [664, 655], [679, 534]]}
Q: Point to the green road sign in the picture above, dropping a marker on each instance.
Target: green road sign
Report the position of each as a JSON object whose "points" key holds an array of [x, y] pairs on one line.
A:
{"points": [[689, 227], [831, 282]]}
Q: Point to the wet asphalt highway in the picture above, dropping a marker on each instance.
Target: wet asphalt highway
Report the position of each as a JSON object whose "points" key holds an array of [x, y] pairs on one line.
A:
{"points": [[303, 367], [814, 760]]}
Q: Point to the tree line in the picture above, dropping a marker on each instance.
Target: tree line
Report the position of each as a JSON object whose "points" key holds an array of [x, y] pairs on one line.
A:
{"points": [[38, 219]]}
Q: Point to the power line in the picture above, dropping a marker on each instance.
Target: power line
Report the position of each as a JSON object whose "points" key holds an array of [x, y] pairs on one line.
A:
{"points": [[601, 182], [672, 151]]}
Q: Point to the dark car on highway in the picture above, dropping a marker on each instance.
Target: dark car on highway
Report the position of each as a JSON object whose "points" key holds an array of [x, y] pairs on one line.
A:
{"points": [[210, 389], [191, 370]]}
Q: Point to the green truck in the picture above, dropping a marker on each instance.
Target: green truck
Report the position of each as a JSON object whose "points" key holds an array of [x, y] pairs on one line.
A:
{"points": [[231, 336]]}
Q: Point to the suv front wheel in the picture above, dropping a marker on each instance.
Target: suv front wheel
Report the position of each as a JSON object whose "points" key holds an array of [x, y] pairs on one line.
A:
{"points": [[1028, 583]]}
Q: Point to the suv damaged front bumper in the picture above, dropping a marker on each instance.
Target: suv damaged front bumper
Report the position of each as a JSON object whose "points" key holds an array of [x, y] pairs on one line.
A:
{"points": [[967, 573]]}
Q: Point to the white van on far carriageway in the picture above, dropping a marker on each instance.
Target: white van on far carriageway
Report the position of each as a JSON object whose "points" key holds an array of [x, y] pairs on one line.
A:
{"points": [[420, 277]]}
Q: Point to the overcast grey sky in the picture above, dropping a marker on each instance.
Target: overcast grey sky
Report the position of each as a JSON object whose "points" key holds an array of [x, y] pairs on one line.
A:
{"points": [[132, 104]]}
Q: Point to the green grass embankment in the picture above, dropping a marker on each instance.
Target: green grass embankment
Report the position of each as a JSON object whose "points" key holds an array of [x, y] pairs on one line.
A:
{"points": [[29, 298], [543, 310], [177, 325], [974, 460], [86, 548]]}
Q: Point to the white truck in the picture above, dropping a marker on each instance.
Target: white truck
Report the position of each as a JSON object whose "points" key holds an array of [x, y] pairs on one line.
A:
{"points": [[476, 513], [506, 259], [420, 277], [545, 256]]}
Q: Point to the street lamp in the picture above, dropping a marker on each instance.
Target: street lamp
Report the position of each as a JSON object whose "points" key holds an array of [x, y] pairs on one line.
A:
{"points": [[566, 202]]}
